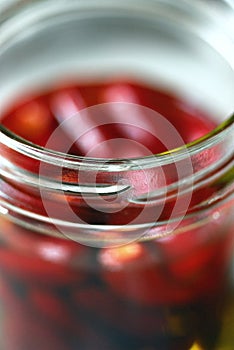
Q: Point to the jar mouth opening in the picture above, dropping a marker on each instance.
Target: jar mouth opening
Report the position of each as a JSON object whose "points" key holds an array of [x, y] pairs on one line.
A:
{"points": [[45, 155]]}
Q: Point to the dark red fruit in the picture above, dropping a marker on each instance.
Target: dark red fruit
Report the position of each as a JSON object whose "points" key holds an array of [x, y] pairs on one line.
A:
{"points": [[32, 121], [135, 274], [34, 269]]}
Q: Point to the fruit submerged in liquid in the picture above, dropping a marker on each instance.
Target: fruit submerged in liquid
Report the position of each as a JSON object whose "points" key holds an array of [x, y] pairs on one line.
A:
{"points": [[146, 295], [37, 118]]}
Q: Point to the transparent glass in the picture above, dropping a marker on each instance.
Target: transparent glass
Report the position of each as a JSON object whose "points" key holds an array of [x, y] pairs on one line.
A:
{"points": [[160, 274]]}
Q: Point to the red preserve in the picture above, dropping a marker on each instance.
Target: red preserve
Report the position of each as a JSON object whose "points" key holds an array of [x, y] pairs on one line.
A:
{"points": [[150, 292]]}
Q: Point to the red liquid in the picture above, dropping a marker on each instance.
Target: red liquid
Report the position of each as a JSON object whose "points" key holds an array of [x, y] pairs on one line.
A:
{"points": [[58, 294]]}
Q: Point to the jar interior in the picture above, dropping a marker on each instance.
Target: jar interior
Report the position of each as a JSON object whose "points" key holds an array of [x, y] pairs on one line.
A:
{"points": [[57, 43]]}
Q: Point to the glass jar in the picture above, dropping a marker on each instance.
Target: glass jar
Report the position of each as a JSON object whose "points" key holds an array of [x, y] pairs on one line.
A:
{"points": [[109, 253]]}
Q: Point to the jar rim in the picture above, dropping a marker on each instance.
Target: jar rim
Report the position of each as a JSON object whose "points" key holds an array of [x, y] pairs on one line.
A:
{"points": [[53, 157]]}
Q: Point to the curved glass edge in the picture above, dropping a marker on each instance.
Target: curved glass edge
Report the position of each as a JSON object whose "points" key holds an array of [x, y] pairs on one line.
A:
{"points": [[45, 155]]}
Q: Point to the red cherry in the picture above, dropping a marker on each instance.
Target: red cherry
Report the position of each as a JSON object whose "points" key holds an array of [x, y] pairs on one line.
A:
{"points": [[51, 249], [135, 274], [192, 257], [34, 269], [32, 121], [180, 245], [133, 123], [70, 110]]}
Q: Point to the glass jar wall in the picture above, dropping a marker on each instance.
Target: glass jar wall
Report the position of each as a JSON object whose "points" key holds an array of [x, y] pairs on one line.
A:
{"points": [[116, 176]]}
